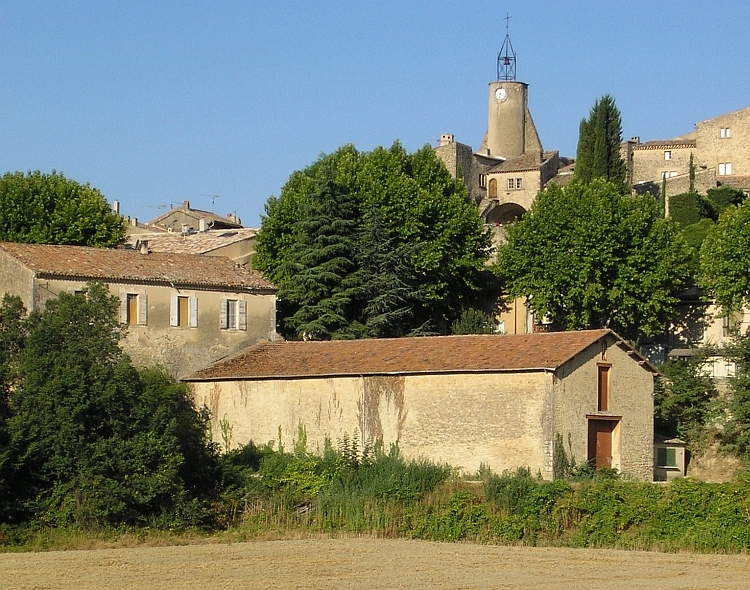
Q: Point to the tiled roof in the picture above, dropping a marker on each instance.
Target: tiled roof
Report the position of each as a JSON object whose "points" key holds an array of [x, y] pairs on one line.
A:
{"points": [[196, 214], [530, 161], [193, 243], [130, 265], [434, 354], [740, 182], [665, 143]]}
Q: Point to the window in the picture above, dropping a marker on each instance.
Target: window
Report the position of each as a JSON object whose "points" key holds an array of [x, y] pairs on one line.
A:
{"points": [[483, 181], [511, 184], [668, 155], [519, 182], [184, 312], [493, 189], [602, 387], [134, 309], [233, 315], [725, 132], [725, 168], [666, 457]]}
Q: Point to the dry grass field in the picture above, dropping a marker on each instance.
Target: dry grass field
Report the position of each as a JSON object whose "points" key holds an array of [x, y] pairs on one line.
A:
{"points": [[366, 563]]}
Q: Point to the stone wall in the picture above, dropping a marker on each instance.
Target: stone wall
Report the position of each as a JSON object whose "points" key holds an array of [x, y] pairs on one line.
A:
{"points": [[649, 163], [713, 148], [464, 420], [630, 398]]}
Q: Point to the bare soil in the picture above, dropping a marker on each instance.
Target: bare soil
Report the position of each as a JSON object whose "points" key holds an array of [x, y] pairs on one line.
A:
{"points": [[367, 563]]}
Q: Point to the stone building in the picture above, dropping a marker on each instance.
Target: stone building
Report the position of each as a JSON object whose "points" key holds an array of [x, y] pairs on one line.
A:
{"points": [[183, 311], [720, 148], [510, 167], [497, 400]]}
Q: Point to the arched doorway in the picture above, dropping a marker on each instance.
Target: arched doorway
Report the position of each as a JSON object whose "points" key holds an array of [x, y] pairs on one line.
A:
{"points": [[505, 213]]}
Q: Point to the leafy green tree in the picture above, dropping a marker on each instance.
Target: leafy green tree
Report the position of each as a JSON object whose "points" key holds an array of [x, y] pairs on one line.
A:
{"points": [[599, 139], [91, 441], [473, 321], [51, 209], [725, 259], [735, 437], [425, 219], [318, 280], [682, 399], [587, 257]]}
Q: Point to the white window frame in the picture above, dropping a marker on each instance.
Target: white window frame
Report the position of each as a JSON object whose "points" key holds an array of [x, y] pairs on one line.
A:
{"points": [[725, 168], [668, 155], [511, 184], [142, 298], [519, 182], [725, 133], [483, 181], [233, 314], [174, 311]]}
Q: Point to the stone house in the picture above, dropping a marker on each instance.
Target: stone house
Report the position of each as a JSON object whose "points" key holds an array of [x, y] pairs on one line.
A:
{"points": [[183, 311], [497, 400]]}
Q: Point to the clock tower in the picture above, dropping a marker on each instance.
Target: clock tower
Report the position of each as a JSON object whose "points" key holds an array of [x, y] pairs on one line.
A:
{"points": [[510, 131]]}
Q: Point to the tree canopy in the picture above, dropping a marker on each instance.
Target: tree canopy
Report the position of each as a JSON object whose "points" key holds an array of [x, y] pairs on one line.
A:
{"points": [[725, 259], [398, 242], [51, 209], [599, 139], [587, 257], [91, 440]]}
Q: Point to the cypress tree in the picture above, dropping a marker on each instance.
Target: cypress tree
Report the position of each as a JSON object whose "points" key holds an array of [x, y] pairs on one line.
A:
{"points": [[598, 154]]}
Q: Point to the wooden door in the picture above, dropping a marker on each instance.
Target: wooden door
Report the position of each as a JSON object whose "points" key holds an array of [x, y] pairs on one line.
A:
{"points": [[600, 443]]}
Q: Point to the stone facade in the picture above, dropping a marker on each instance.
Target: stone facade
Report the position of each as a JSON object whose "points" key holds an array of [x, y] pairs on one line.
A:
{"points": [[150, 299], [505, 418]]}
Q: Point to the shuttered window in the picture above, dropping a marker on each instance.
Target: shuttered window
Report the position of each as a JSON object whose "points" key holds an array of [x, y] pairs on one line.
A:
{"points": [[184, 311], [233, 314]]}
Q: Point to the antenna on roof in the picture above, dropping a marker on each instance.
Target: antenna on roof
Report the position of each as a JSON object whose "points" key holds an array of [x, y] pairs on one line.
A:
{"points": [[213, 201], [159, 207], [506, 59]]}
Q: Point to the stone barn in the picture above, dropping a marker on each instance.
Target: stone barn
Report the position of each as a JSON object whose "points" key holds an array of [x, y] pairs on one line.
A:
{"points": [[497, 400]]}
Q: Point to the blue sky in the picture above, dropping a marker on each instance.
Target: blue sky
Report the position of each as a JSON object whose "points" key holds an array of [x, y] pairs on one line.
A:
{"points": [[157, 102]]}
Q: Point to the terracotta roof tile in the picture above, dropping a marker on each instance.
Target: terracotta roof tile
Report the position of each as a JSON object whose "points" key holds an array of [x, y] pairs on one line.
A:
{"points": [[529, 161], [193, 243], [434, 354], [129, 265], [658, 144]]}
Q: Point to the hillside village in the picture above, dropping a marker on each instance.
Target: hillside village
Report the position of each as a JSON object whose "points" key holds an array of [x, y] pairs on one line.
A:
{"points": [[194, 305]]}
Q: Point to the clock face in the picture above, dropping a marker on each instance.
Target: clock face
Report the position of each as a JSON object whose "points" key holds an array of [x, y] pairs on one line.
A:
{"points": [[501, 94]]}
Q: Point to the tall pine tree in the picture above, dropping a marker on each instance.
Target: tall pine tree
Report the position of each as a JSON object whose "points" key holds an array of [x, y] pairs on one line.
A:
{"points": [[598, 154], [320, 285]]}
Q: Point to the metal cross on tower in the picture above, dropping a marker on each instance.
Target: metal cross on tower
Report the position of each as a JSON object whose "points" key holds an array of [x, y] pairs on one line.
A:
{"points": [[506, 59]]}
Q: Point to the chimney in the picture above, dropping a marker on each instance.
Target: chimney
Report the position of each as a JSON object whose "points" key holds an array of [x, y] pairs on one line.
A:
{"points": [[143, 249], [202, 224], [134, 221], [186, 204], [116, 207]]}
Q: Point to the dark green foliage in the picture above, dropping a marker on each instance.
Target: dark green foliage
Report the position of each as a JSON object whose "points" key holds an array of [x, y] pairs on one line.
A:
{"points": [[682, 400], [735, 436], [473, 321], [318, 283], [689, 208], [587, 257], [418, 248], [600, 136], [695, 233], [725, 259], [722, 197], [51, 209], [92, 442]]}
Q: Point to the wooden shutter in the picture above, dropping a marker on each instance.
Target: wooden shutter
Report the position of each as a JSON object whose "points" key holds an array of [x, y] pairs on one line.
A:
{"points": [[193, 319], [123, 308], [142, 309], [224, 314], [242, 315], [174, 312]]}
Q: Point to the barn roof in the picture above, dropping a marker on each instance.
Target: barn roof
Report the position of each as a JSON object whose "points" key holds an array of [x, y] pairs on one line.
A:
{"points": [[106, 264], [434, 354]]}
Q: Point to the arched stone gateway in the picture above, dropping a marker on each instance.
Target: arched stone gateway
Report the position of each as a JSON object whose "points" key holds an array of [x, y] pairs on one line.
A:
{"points": [[504, 214]]}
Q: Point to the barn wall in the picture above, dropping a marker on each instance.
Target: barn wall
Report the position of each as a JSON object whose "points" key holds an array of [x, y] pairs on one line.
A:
{"points": [[502, 420]]}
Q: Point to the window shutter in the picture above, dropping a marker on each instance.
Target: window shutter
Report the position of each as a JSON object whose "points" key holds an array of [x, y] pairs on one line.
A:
{"points": [[242, 315], [224, 314], [123, 308], [173, 312], [193, 319], [142, 309]]}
